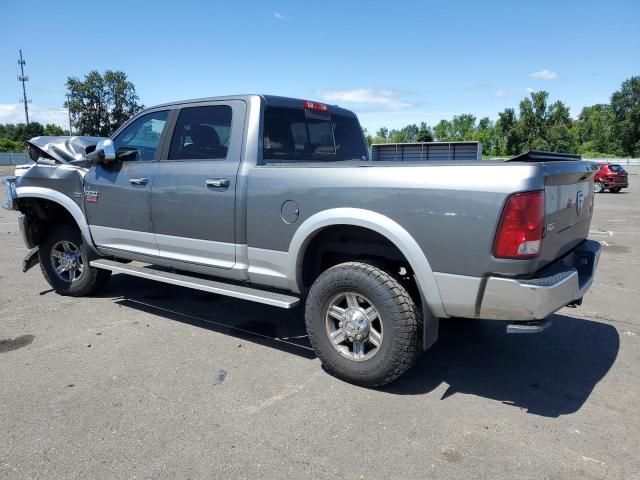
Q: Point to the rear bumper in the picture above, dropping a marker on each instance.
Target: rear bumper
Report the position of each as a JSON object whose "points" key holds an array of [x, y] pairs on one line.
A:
{"points": [[552, 288], [623, 183]]}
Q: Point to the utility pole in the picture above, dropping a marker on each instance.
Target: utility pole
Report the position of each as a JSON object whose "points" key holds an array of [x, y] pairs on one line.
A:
{"points": [[23, 78], [69, 112]]}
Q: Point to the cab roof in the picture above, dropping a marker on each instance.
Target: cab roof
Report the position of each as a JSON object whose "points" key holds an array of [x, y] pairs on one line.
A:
{"points": [[271, 100]]}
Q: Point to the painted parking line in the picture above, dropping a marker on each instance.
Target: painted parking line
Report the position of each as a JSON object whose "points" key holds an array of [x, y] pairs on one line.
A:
{"points": [[607, 233]]}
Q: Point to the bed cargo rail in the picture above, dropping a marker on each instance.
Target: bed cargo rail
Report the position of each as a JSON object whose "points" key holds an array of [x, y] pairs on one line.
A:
{"points": [[542, 156]]}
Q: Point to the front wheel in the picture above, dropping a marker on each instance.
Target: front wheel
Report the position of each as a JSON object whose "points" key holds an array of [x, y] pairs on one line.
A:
{"points": [[598, 187], [362, 324], [64, 261]]}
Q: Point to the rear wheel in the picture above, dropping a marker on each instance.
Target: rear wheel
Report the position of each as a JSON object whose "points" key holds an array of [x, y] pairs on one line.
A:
{"points": [[64, 261], [615, 189], [598, 187], [362, 324]]}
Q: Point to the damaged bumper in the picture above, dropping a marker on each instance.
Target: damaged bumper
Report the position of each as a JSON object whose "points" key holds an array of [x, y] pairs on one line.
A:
{"points": [[562, 283]]}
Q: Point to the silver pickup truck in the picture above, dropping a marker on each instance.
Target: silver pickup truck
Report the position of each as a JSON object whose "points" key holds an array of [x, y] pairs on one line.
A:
{"points": [[274, 200]]}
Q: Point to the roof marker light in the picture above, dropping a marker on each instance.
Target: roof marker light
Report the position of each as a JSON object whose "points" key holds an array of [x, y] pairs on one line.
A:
{"points": [[309, 105]]}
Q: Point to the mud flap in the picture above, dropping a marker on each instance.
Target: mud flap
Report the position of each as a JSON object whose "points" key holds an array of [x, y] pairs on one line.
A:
{"points": [[430, 332], [31, 259], [430, 326]]}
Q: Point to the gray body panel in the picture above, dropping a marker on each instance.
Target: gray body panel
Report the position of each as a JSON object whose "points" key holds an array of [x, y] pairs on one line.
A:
{"points": [[194, 221], [442, 216], [452, 211], [121, 207]]}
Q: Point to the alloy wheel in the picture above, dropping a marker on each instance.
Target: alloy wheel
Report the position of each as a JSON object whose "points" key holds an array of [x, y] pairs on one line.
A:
{"points": [[354, 326]]}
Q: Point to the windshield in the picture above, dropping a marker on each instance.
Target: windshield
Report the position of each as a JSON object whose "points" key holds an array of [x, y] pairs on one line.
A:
{"points": [[616, 168], [297, 134]]}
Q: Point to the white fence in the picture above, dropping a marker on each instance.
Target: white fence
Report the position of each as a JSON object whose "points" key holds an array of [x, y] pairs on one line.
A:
{"points": [[619, 161]]}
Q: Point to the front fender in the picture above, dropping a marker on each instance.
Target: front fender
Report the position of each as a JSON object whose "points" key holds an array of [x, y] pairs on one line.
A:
{"points": [[65, 202], [376, 222]]}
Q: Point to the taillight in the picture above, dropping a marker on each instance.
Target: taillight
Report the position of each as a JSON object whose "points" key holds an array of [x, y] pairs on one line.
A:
{"points": [[520, 231]]}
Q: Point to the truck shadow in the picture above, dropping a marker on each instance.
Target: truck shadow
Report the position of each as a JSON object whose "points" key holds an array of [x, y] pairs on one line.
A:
{"points": [[264, 325], [548, 374]]}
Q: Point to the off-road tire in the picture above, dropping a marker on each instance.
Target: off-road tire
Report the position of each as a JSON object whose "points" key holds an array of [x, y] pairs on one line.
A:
{"points": [[90, 280], [397, 311]]}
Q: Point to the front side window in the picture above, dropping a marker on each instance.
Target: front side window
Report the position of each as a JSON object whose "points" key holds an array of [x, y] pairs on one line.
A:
{"points": [[297, 134], [201, 133], [139, 140]]}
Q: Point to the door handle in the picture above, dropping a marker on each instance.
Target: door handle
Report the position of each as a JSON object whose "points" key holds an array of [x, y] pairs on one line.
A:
{"points": [[138, 181], [217, 182]]}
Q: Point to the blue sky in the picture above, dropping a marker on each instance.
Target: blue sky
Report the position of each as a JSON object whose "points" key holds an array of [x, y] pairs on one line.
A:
{"points": [[393, 63]]}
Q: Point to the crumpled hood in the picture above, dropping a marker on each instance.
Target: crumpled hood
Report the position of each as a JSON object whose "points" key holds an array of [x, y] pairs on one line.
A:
{"points": [[62, 149]]}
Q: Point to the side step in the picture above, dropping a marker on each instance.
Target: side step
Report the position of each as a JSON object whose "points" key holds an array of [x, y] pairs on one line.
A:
{"points": [[230, 290], [534, 326]]}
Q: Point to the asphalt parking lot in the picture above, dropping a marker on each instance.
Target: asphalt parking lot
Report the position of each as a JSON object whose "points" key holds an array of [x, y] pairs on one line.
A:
{"points": [[153, 381]]}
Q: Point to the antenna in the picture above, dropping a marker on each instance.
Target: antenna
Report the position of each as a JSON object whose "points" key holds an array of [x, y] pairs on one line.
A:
{"points": [[24, 78]]}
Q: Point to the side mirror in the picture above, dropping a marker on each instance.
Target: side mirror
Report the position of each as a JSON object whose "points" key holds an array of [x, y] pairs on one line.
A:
{"points": [[105, 152]]}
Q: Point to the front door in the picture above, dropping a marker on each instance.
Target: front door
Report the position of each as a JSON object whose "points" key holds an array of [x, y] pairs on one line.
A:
{"points": [[194, 193], [117, 196]]}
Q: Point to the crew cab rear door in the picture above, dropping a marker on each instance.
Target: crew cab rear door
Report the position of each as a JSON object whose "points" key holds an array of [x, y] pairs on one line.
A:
{"points": [[193, 198]]}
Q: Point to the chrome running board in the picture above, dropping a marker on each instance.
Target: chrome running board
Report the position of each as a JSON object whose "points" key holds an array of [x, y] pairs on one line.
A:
{"points": [[228, 289]]}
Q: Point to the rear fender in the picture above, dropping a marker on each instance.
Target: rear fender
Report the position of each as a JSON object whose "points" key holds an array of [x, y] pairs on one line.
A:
{"points": [[379, 223]]}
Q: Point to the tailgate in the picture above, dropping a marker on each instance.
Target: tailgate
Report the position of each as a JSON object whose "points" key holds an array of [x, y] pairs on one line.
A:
{"points": [[568, 206]]}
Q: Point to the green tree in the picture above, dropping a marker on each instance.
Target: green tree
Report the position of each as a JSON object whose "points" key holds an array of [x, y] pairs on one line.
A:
{"points": [[560, 135], [532, 122], [443, 131], [425, 134], [463, 127], [100, 103], [486, 133], [381, 135], [54, 130], [21, 132], [625, 106], [508, 133], [406, 134], [7, 145], [594, 129]]}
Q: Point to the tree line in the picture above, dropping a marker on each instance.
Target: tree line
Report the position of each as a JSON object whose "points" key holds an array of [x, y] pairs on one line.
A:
{"points": [[602, 130], [13, 136], [100, 103]]}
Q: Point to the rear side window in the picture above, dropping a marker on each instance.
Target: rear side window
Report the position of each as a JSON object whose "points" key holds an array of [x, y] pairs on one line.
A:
{"points": [[201, 133], [297, 134]]}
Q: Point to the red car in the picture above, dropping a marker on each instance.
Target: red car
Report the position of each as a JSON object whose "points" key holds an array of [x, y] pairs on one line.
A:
{"points": [[610, 176]]}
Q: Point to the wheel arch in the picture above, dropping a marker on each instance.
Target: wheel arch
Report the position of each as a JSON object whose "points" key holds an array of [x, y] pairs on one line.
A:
{"points": [[376, 223], [64, 202]]}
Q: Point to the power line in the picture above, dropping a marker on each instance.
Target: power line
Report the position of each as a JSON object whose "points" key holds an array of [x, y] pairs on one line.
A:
{"points": [[24, 78]]}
